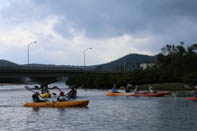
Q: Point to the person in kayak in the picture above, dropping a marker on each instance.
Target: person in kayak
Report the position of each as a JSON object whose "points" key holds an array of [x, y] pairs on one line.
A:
{"points": [[136, 90], [61, 97], [36, 98], [195, 91], [44, 89], [72, 93], [114, 89], [150, 89], [128, 88]]}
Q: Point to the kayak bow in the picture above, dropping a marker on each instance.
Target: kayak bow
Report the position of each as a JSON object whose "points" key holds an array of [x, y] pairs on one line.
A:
{"points": [[192, 98]]}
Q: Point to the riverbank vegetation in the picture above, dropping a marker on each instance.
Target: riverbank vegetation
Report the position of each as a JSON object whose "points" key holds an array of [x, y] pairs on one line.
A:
{"points": [[174, 68]]}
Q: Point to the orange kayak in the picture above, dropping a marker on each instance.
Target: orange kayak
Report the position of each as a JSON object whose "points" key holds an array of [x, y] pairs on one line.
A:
{"points": [[118, 94], [138, 94], [151, 94], [79, 103], [192, 98]]}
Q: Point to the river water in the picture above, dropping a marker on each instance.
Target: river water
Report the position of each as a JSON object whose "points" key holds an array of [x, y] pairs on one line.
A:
{"points": [[104, 113]]}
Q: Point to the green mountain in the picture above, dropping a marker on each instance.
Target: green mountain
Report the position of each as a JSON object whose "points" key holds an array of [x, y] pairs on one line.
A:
{"points": [[7, 63], [126, 63]]}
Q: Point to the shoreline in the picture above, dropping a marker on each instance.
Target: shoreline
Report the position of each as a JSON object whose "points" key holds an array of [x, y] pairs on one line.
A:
{"points": [[173, 86]]}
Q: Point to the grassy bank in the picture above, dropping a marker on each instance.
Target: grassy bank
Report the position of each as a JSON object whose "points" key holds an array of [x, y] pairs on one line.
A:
{"points": [[167, 86], [156, 86]]}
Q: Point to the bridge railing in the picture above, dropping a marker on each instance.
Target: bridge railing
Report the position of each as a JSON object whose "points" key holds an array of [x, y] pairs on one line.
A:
{"points": [[32, 68], [49, 69]]}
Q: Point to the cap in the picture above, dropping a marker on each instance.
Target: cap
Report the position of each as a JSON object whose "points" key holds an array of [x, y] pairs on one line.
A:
{"points": [[61, 93]]}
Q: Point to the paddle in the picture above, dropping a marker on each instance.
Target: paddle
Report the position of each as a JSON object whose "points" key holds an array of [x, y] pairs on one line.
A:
{"points": [[29, 89], [54, 94], [58, 89], [63, 91]]}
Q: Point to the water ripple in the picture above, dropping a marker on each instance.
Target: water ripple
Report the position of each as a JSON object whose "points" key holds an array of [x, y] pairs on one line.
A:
{"points": [[104, 113]]}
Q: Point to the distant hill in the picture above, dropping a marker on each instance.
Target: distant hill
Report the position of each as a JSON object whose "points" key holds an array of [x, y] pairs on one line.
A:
{"points": [[7, 63], [126, 63], [50, 66]]}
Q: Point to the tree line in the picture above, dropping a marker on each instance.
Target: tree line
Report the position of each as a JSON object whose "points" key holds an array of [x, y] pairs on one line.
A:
{"points": [[175, 63]]}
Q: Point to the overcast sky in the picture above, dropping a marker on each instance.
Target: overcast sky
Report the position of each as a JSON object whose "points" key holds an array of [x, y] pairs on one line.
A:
{"points": [[63, 29]]}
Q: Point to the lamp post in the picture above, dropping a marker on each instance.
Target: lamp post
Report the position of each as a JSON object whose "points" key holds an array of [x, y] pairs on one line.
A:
{"points": [[85, 56], [28, 46]]}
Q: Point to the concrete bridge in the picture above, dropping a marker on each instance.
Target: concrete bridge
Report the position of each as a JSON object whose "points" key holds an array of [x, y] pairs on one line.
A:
{"points": [[36, 71], [41, 74]]}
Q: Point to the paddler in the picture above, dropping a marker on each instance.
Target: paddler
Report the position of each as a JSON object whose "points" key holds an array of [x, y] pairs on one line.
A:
{"points": [[136, 90], [36, 98], [150, 89], [72, 93], [61, 97], [44, 89], [195, 91], [128, 88], [114, 89]]}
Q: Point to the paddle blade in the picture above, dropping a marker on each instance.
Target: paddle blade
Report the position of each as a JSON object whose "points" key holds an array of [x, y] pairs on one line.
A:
{"points": [[58, 88], [29, 89]]}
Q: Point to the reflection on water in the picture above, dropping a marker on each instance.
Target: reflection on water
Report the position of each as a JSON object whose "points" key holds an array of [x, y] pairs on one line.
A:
{"points": [[35, 109], [103, 113]]}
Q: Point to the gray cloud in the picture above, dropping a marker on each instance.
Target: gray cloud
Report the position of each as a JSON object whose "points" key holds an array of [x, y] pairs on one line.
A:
{"points": [[21, 11], [101, 18], [167, 20]]}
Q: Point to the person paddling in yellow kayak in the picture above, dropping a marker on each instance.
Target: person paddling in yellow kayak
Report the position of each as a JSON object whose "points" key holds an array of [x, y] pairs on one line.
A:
{"points": [[36, 98], [72, 93], [61, 97], [44, 89]]}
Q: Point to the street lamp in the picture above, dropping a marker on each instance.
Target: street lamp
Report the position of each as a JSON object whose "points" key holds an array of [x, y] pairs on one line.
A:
{"points": [[28, 50], [85, 56]]}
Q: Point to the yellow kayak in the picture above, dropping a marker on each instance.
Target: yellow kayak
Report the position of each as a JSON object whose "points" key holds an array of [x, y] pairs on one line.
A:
{"points": [[45, 95], [79, 103]]}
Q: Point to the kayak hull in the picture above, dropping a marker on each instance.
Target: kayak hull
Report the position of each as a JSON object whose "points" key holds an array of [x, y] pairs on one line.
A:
{"points": [[159, 94], [192, 98], [79, 103], [118, 94]]}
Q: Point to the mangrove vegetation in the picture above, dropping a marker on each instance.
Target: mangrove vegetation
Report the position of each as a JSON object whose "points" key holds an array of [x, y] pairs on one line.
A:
{"points": [[175, 64]]}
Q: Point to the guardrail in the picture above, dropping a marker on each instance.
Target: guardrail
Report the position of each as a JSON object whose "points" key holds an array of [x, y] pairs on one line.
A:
{"points": [[43, 69], [37, 68]]}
